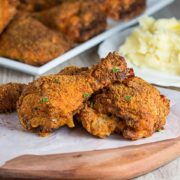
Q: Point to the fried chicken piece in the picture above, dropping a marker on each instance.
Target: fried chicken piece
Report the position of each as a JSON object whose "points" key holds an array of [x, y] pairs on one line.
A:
{"points": [[139, 105], [51, 101], [29, 41], [78, 19], [9, 94], [36, 5], [97, 124], [7, 12], [123, 9]]}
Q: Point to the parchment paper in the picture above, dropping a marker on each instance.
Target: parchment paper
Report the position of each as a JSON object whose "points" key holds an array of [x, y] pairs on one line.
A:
{"points": [[16, 142]]}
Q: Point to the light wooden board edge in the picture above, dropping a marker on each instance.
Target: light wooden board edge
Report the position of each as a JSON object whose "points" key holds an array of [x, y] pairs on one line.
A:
{"points": [[118, 163]]}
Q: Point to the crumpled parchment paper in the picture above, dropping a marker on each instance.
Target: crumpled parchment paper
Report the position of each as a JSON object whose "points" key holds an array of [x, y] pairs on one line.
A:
{"points": [[14, 141]]}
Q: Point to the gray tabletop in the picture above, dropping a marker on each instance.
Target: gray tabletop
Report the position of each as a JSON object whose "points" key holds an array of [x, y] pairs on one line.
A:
{"points": [[170, 171]]}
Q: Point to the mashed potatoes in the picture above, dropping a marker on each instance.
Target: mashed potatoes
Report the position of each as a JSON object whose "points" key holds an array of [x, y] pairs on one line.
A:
{"points": [[155, 44]]}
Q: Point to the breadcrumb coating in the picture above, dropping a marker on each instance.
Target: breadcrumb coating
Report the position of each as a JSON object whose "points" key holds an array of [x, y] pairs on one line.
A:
{"points": [[9, 94], [122, 9], [29, 41], [97, 124], [36, 5], [140, 105]]}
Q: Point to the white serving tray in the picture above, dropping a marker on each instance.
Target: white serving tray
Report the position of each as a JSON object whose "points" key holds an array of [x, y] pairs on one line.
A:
{"points": [[152, 76], [113, 27]]}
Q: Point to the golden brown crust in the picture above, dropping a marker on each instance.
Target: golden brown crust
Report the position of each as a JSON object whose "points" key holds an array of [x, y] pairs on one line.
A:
{"points": [[29, 41], [97, 124], [133, 8], [123, 9], [77, 19], [133, 108], [7, 12], [74, 70], [113, 68], [36, 5], [9, 95], [138, 103], [51, 101]]}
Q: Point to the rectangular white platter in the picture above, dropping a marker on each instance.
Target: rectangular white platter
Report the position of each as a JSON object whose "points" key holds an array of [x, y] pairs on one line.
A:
{"points": [[113, 27]]}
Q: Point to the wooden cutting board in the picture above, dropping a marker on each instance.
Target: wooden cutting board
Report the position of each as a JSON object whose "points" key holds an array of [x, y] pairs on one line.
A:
{"points": [[118, 163]]}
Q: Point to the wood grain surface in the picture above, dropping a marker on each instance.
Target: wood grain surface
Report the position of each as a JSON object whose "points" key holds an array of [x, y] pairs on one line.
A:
{"points": [[144, 157], [119, 163]]}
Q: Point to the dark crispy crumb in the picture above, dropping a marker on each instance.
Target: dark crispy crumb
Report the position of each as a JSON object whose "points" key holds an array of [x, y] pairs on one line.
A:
{"points": [[9, 94], [36, 5]]}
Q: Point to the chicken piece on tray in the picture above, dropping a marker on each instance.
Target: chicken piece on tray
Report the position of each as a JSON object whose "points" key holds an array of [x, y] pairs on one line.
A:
{"points": [[123, 9], [78, 19], [36, 5], [7, 12], [138, 105], [29, 41], [51, 101], [9, 95]]}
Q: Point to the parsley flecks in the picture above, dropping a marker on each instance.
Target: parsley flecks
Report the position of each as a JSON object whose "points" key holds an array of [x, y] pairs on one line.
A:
{"points": [[44, 99], [86, 95], [55, 81], [127, 98], [115, 69]]}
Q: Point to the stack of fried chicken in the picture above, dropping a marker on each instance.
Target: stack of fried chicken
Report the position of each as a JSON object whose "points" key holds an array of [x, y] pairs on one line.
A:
{"points": [[106, 98], [37, 31]]}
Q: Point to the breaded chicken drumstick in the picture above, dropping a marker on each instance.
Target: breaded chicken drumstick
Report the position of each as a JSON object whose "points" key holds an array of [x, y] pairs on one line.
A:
{"points": [[51, 101]]}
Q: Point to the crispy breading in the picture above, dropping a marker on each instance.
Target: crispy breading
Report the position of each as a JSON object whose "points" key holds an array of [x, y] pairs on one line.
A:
{"points": [[9, 94], [29, 41], [78, 19], [7, 12], [132, 108], [36, 5], [139, 104], [74, 70], [51, 101], [123, 9], [97, 124]]}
